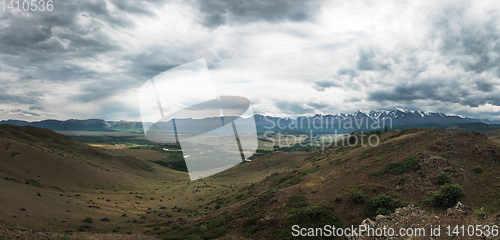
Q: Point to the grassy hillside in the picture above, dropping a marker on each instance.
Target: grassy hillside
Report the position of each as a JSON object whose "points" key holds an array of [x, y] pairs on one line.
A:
{"points": [[338, 185], [52, 182], [55, 183]]}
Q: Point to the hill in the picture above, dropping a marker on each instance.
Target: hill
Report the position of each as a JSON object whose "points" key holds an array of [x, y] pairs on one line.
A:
{"points": [[50, 181], [55, 183], [340, 185]]}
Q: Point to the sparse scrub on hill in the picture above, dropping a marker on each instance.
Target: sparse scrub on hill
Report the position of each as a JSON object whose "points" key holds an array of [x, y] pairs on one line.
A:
{"points": [[442, 178], [83, 227], [13, 154], [357, 197], [297, 201], [382, 205], [477, 169], [400, 167], [33, 182], [311, 216], [338, 198], [447, 195], [87, 220]]}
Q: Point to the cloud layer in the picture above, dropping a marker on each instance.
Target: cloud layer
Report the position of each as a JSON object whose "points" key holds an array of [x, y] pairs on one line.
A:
{"points": [[86, 59]]}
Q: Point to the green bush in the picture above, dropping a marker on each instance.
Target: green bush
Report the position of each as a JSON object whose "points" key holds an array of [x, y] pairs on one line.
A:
{"points": [[382, 204], [442, 178], [297, 201], [409, 164], [87, 220], [83, 227], [313, 216], [357, 197], [477, 169], [338, 198], [447, 195]]}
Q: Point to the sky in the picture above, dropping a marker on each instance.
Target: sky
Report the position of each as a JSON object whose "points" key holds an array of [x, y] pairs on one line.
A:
{"points": [[87, 59]]}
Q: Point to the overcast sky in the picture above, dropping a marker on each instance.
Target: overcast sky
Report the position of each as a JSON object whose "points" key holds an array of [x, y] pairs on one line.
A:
{"points": [[87, 59]]}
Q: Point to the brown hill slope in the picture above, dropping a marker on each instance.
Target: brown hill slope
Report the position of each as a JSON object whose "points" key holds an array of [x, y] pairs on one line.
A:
{"points": [[51, 181], [404, 166], [494, 135]]}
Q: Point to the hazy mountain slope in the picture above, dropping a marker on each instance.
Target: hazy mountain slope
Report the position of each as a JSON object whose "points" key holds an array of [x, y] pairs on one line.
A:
{"points": [[342, 122], [67, 125]]}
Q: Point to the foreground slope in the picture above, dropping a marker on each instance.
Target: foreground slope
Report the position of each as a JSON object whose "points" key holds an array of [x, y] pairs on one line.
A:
{"points": [[326, 186], [51, 181]]}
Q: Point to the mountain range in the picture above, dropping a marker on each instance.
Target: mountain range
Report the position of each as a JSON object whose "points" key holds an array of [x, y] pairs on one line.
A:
{"points": [[396, 118]]}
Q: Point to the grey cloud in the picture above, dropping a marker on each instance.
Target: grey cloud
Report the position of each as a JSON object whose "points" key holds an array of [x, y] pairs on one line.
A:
{"points": [[437, 90], [323, 85], [95, 92], [371, 59], [346, 71], [24, 98], [319, 106], [468, 40], [294, 107], [484, 86], [220, 12], [134, 7]]}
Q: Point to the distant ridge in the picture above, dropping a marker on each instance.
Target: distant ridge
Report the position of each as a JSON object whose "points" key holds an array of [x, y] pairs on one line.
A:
{"points": [[397, 118]]}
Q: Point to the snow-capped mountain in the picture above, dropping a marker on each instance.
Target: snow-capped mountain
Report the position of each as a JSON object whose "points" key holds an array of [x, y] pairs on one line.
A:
{"points": [[361, 119]]}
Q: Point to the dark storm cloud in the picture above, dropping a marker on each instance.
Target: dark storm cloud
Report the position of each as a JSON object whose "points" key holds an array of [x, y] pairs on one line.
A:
{"points": [[133, 7], [24, 98], [36, 33], [57, 46], [441, 90], [220, 12]]}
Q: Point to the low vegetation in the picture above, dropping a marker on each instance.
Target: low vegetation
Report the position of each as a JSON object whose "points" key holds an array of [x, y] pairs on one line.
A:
{"points": [[442, 178], [382, 205], [447, 195], [409, 164], [357, 197]]}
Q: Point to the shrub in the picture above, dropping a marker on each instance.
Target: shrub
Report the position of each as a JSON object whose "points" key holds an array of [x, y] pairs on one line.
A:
{"points": [[312, 216], [477, 169], [382, 204], [297, 201], [409, 164], [357, 197], [221, 221], [83, 227], [447, 195], [87, 220], [105, 219], [338, 198], [401, 180], [442, 178]]}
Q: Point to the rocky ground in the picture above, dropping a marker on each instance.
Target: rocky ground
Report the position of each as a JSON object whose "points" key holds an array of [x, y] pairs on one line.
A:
{"points": [[19, 233], [414, 217]]}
